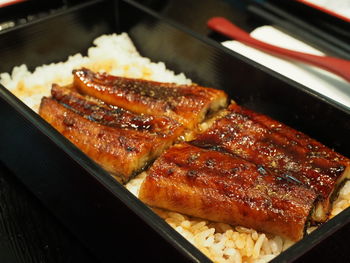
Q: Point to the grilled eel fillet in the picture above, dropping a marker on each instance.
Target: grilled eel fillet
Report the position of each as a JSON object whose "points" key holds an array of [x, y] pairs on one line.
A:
{"points": [[187, 104], [123, 143], [225, 188], [281, 149]]}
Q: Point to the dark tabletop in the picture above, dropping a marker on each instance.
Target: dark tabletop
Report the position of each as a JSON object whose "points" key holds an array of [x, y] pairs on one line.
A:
{"points": [[28, 232]]}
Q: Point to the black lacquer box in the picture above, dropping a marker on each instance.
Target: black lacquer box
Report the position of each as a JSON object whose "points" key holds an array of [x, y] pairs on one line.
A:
{"points": [[106, 217]]}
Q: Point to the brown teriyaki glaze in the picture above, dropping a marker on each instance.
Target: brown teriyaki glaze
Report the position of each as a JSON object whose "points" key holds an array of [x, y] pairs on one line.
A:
{"points": [[186, 104], [291, 155], [122, 152], [225, 188], [113, 116]]}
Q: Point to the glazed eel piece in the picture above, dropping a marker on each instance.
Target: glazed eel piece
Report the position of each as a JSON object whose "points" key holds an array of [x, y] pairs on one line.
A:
{"points": [[122, 142], [222, 187], [187, 104], [284, 151]]}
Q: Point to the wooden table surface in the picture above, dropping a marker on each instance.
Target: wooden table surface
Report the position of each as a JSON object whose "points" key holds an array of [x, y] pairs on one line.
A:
{"points": [[29, 233]]}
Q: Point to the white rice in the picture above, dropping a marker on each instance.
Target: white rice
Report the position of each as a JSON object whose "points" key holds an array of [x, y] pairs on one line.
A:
{"points": [[226, 243], [117, 55]]}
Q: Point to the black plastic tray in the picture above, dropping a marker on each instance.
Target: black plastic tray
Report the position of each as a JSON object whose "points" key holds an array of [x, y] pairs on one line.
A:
{"points": [[108, 219]]}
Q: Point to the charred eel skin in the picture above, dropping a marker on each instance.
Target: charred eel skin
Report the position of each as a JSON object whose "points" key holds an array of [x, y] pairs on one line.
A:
{"points": [[122, 149], [289, 154], [187, 104], [109, 115], [221, 187]]}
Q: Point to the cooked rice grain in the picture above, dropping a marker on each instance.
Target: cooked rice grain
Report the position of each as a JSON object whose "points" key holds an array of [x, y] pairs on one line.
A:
{"points": [[114, 54], [224, 243]]}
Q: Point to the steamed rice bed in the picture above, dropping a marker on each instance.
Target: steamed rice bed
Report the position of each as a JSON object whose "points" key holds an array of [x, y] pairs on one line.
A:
{"points": [[117, 55]]}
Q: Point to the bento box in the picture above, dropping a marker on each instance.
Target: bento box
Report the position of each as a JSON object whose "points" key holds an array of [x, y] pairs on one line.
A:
{"points": [[105, 216]]}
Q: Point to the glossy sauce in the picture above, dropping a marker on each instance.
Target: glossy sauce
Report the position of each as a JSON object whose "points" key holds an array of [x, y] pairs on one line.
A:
{"points": [[113, 116], [186, 104], [121, 152], [286, 152], [222, 187]]}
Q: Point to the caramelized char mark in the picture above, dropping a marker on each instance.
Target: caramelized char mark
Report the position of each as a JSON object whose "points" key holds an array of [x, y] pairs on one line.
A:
{"points": [[187, 104], [121, 152], [225, 188], [113, 116], [288, 153]]}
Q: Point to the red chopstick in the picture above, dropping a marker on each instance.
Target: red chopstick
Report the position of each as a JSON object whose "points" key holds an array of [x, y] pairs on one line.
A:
{"points": [[337, 66]]}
